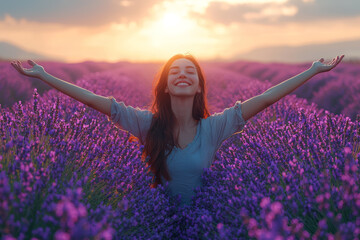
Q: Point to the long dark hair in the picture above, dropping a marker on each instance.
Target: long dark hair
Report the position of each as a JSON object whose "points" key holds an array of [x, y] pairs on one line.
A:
{"points": [[160, 135]]}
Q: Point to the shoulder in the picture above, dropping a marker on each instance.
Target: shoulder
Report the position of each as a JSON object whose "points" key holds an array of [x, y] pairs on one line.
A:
{"points": [[207, 123]]}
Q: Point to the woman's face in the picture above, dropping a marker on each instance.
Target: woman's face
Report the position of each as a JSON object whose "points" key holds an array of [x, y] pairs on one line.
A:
{"points": [[183, 79]]}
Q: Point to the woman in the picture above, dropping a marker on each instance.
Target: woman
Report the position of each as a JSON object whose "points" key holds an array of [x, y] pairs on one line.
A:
{"points": [[180, 137]]}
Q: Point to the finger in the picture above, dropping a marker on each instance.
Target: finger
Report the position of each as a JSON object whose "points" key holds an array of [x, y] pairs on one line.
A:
{"points": [[19, 67], [19, 63], [31, 62], [16, 66], [339, 60], [333, 61], [342, 56]]}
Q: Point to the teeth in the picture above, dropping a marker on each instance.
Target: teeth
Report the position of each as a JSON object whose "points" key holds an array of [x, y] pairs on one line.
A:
{"points": [[182, 84]]}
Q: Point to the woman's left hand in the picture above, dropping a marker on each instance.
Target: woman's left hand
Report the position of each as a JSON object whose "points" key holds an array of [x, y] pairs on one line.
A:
{"points": [[321, 66]]}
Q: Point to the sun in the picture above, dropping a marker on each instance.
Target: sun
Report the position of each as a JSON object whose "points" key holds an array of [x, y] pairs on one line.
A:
{"points": [[170, 26], [172, 30], [171, 19]]}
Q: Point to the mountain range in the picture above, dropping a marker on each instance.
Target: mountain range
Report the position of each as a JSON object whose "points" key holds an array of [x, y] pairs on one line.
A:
{"points": [[9, 51], [303, 53], [280, 53]]}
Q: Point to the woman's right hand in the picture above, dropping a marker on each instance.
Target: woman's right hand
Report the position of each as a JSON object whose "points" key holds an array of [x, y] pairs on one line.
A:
{"points": [[36, 70]]}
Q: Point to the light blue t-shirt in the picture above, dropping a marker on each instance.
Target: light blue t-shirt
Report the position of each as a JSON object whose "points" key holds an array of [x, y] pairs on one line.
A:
{"points": [[185, 165]]}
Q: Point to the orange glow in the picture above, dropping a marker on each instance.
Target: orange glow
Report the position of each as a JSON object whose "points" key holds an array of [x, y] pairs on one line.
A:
{"points": [[173, 28]]}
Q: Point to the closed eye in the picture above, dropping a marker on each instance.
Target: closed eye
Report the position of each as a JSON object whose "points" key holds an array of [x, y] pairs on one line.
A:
{"points": [[174, 72]]}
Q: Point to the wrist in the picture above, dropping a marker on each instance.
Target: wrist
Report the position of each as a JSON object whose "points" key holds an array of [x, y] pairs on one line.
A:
{"points": [[42, 75], [313, 71]]}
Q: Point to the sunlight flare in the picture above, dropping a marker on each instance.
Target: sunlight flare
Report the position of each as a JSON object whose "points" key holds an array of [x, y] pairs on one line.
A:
{"points": [[171, 19]]}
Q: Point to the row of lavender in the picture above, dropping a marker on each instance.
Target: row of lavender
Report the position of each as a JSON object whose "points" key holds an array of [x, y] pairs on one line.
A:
{"points": [[68, 173]]}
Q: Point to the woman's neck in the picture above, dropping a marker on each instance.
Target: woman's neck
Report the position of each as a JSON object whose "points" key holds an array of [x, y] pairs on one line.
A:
{"points": [[182, 109]]}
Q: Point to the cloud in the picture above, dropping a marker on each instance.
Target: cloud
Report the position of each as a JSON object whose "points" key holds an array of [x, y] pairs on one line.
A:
{"points": [[320, 9], [78, 12], [277, 12]]}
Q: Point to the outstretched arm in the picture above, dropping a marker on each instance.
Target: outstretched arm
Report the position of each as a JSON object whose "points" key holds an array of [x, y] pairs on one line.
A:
{"points": [[279, 91], [258, 103], [99, 103]]}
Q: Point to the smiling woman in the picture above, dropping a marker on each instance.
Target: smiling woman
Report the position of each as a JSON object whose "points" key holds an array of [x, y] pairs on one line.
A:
{"points": [[180, 137]]}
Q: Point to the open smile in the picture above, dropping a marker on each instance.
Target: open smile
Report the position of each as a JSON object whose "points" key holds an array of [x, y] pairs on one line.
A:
{"points": [[182, 83]]}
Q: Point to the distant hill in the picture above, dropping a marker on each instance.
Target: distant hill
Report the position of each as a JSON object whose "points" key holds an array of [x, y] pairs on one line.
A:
{"points": [[303, 53], [10, 51]]}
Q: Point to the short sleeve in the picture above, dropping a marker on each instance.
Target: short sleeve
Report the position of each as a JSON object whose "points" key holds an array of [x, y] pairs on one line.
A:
{"points": [[127, 118], [225, 124]]}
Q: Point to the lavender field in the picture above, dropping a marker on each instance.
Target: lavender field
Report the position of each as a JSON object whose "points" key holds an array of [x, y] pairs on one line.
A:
{"points": [[66, 172]]}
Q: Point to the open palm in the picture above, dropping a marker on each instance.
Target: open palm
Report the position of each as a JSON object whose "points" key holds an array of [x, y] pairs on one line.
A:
{"points": [[35, 71], [321, 66]]}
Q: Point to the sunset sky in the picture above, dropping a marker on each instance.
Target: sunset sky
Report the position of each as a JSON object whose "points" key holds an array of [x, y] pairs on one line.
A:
{"points": [[146, 30]]}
